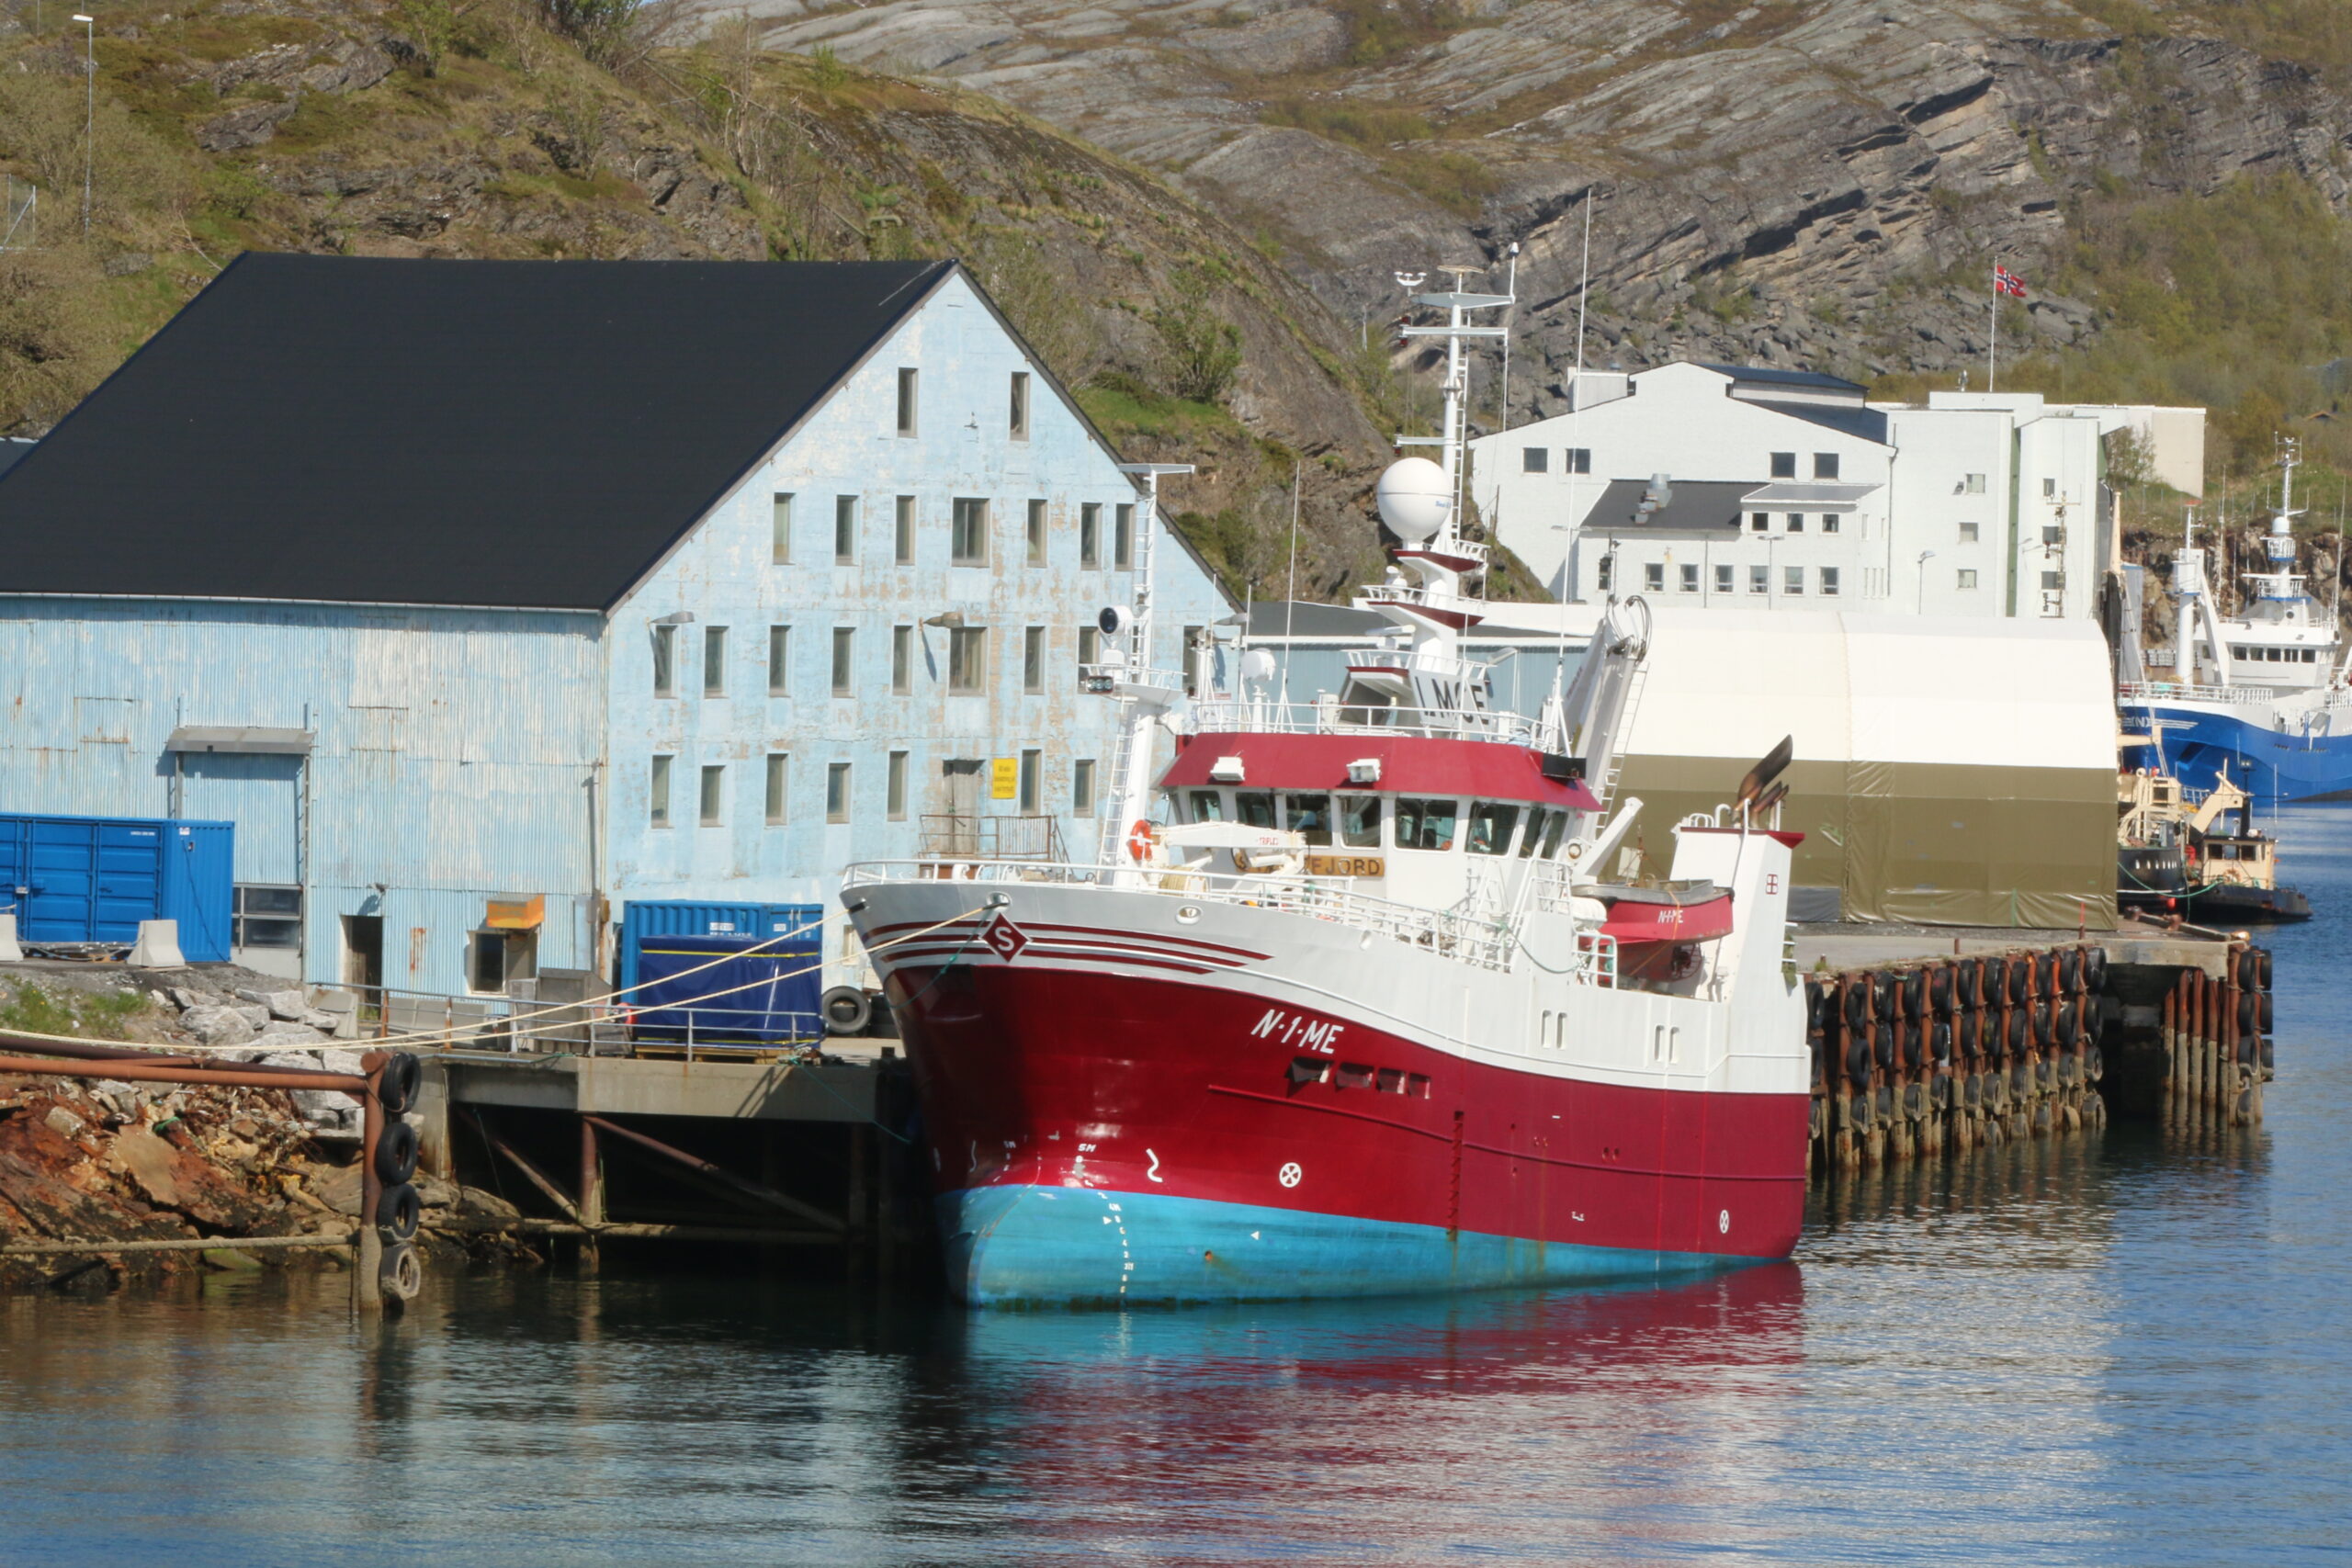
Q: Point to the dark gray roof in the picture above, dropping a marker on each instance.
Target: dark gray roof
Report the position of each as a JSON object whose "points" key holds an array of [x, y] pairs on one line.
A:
{"points": [[526, 434], [1279, 617], [1692, 506], [1868, 423], [11, 452], [1757, 375]]}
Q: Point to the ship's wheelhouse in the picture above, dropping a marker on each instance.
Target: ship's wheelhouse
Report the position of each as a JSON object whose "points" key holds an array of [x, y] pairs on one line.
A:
{"points": [[1382, 821]]}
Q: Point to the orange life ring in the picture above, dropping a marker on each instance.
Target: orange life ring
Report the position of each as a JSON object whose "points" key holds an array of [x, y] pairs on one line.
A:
{"points": [[1142, 839]]}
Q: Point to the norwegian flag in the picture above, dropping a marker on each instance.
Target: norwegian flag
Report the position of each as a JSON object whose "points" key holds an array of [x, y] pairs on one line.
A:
{"points": [[2006, 282]]}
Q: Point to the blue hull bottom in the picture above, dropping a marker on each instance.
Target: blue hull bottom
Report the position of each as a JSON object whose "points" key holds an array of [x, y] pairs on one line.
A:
{"points": [[2273, 767], [1076, 1247]]}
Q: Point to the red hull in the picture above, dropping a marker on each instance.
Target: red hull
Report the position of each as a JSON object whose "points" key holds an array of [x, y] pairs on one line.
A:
{"points": [[1056, 1078]]}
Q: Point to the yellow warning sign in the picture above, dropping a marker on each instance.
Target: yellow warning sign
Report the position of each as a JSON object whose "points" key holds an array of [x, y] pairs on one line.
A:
{"points": [[1005, 778]]}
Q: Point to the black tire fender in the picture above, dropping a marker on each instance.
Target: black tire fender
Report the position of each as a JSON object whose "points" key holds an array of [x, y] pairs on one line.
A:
{"points": [[847, 1009], [396, 1154], [399, 1210]]}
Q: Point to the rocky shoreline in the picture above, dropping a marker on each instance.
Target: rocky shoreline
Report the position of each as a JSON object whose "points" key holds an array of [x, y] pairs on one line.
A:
{"points": [[107, 1160]]}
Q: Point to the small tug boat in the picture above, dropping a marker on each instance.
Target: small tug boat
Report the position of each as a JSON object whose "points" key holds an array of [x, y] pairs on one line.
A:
{"points": [[1346, 1003], [2207, 863]]}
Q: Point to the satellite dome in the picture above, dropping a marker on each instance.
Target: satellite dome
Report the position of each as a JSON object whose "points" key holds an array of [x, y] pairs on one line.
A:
{"points": [[1256, 667], [1415, 497]]}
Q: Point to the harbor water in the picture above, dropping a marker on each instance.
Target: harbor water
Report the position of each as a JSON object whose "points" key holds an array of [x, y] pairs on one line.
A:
{"points": [[2134, 1348]]}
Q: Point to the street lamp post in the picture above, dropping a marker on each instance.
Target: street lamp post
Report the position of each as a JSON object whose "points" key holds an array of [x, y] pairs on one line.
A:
{"points": [[89, 111], [1920, 604]]}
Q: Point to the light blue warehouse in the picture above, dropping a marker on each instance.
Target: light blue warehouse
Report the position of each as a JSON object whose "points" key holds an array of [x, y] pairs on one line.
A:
{"points": [[486, 597]]}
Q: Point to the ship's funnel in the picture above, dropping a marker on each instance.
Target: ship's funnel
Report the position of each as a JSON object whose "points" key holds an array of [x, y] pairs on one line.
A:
{"points": [[1415, 497]]}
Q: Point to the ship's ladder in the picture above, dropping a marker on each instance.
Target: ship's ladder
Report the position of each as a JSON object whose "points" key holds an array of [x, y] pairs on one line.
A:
{"points": [[1112, 847], [1634, 686]]}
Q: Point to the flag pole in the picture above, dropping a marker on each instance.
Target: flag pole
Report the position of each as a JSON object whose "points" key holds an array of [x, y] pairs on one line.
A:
{"points": [[1993, 366]]}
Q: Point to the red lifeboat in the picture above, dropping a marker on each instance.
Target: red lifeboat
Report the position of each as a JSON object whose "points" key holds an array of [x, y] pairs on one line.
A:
{"points": [[1679, 912]]}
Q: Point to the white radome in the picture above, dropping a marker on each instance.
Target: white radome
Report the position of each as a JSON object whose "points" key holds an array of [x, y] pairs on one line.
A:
{"points": [[1256, 667], [1414, 496]]}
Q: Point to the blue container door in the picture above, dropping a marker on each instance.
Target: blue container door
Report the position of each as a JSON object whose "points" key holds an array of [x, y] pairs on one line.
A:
{"points": [[198, 858], [85, 881], [15, 838]]}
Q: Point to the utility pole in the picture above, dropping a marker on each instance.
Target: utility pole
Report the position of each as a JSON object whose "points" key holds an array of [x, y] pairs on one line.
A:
{"points": [[89, 112]]}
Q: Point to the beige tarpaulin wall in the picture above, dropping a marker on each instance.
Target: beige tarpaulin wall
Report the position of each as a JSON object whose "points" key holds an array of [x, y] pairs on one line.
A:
{"points": [[1946, 771]]}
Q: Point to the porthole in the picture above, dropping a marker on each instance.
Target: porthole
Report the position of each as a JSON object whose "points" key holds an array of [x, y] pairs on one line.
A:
{"points": [[1186, 915]]}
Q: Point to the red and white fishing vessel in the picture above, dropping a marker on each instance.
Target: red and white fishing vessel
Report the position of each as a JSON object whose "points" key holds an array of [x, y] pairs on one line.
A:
{"points": [[1350, 1008]]}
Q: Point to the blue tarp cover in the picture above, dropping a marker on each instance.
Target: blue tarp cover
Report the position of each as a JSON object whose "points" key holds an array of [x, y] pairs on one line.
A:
{"points": [[779, 1007]]}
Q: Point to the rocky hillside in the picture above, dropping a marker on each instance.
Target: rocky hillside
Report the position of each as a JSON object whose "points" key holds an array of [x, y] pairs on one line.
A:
{"points": [[1823, 182], [499, 128]]}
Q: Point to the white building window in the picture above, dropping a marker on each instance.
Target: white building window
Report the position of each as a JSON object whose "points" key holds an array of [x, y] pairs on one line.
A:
{"points": [[1122, 538], [1972, 484], [902, 659], [665, 662], [1081, 787], [1030, 763], [896, 793], [779, 775], [1689, 579], [1968, 578], [1829, 582], [1784, 465], [837, 792], [1578, 460], [714, 796], [845, 660], [1759, 580], [1722, 580], [713, 661], [1829, 521], [1090, 534], [1796, 522], [1825, 465], [2050, 582], [1032, 660], [844, 529], [780, 529], [1037, 532], [1792, 580], [903, 530], [1760, 522], [967, 660], [2051, 533], [1020, 408], [906, 401], [1534, 460], [1654, 576], [1968, 533], [969, 533], [2050, 490], [779, 662], [657, 792]]}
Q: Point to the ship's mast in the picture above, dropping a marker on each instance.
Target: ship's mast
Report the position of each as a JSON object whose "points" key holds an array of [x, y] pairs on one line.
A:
{"points": [[2278, 586], [1145, 693], [2188, 586]]}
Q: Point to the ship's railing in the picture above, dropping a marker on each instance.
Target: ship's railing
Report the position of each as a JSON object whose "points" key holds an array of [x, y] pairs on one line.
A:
{"points": [[2182, 692], [1487, 943], [1329, 715]]}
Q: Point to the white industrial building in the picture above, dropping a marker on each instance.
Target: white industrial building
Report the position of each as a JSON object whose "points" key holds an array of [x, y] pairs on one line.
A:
{"points": [[1715, 486]]}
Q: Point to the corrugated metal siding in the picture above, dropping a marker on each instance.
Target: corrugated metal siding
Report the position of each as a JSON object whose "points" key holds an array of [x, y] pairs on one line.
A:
{"points": [[724, 576], [451, 762]]}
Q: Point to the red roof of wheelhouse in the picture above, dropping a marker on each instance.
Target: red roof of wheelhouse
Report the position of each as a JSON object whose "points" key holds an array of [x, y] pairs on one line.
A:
{"points": [[1410, 764]]}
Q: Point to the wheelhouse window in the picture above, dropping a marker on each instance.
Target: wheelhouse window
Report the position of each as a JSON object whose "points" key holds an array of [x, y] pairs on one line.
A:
{"points": [[1538, 817], [1255, 807], [1207, 806], [1552, 834], [1426, 824], [1360, 821], [1310, 817], [1491, 822]]}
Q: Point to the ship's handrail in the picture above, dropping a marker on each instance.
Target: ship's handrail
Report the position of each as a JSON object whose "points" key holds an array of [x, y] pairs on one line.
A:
{"points": [[1487, 943], [1240, 716], [2179, 692]]}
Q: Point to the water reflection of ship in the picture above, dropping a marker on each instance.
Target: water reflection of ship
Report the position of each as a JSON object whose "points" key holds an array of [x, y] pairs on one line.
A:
{"points": [[1274, 1422]]}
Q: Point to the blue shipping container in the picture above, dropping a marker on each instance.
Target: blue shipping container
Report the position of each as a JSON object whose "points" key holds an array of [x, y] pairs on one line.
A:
{"points": [[764, 986], [93, 879]]}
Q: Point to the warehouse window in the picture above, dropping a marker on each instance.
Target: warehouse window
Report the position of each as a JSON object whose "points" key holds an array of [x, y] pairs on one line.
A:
{"points": [[967, 660], [657, 793], [837, 792], [265, 916], [779, 777], [1796, 522], [714, 794], [1784, 465], [1534, 460], [713, 661], [1972, 484], [1090, 534], [1967, 577], [844, 529], [2051, 533], [780, 530], [1122, 538], [1829, 521], [844, 660], [779, 660], [902, 659], [906, 401], [1654, 576], [1829, 582], [1825, 465], [1759, 580], [896, 804], [2049, 490], [665, 662], [1760, 522], [1020, 409], [903, 530], [1032, 661], [1689, 579], [968, 534], [1722, 580], [1081, 787], [1579, 459], [498, 958], [1031, 762], [1037, 532], [1792, 580]]}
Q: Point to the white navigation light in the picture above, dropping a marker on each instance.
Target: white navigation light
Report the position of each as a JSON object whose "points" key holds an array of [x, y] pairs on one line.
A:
{"points": [[1115, 622], [1415, 497]]}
